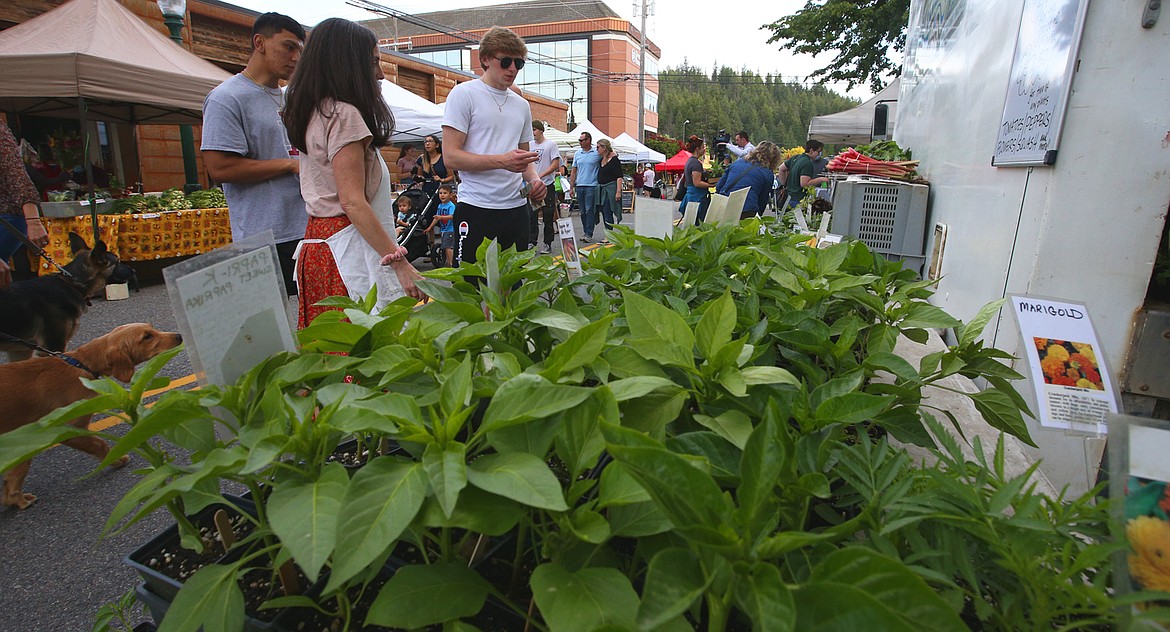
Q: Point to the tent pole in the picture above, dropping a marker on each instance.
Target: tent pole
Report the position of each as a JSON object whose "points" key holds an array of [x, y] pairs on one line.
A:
{"points": [[88, 166]]}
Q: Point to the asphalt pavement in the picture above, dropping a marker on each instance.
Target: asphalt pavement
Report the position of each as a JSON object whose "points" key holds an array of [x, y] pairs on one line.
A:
{"points": [[57, 569]]}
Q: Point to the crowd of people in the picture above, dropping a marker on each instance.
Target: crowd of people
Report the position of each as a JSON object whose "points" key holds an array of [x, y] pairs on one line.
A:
{"points": [[304, 162]]}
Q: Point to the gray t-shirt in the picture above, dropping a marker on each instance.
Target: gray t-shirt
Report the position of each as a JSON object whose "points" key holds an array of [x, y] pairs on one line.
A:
{"points": [[243, 118]]}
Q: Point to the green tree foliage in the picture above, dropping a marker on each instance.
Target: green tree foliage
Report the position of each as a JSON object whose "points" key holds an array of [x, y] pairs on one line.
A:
{"points": [[766, 107], [864, 34]]}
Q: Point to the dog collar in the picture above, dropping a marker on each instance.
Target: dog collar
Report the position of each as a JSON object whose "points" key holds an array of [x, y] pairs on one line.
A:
{"points": [[74, 362]]}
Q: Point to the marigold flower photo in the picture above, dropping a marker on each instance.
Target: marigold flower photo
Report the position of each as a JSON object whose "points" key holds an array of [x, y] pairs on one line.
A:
{"points": [[1067, 363]]}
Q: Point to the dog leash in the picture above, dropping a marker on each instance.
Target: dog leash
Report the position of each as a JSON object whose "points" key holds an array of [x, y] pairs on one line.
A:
{"points": [[70, 360], [40, 252]]}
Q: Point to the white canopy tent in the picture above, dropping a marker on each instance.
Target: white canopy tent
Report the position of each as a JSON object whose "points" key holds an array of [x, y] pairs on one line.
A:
{"points": [[630, 150], [593, 131], [855, 126], [565, 141], [414, 116]]}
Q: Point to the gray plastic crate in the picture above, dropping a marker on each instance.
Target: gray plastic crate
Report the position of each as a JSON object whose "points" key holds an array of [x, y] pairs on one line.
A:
{"points": [[887, 216]]}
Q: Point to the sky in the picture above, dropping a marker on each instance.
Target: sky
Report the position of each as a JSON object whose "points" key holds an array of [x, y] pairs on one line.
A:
{"points": [[734, 38]]}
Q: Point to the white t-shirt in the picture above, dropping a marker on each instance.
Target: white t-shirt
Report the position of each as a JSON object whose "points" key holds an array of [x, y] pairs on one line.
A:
{"points": [[549, 152], [648, 176], [496, 122]]}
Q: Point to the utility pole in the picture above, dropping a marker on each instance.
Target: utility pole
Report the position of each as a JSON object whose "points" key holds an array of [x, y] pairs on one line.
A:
{"points": [[642, 72]]}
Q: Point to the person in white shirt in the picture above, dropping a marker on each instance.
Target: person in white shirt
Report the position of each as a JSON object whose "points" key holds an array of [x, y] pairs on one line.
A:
{"points": [[739, 146], [648, 181], [548, 165], [490, 150]]}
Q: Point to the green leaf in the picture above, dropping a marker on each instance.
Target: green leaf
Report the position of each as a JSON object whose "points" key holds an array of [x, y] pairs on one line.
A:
{"points": [[893, 364], [579, 350], [522, 477], [1001, 412], [756, 375], [619, 488], [638, 520], [477, 511], [447, 472], [638, 386], [766, 455], [852, 408], [688, 495], [892, 584], [382, 500], [304, 514], [927, 316], [732, 425], [418, 596], [766, 600], [716, 326], [585, 600], [28, 441], [579, 441], [970, 332], [455, 391], [589, 526], [527, 397], [657, 332], [210, 600], [674, 581], [832, 607]]}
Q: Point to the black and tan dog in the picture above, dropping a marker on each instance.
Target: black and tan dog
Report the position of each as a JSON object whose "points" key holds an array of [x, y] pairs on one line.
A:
{"points": [[31, 389], [47, 310]]}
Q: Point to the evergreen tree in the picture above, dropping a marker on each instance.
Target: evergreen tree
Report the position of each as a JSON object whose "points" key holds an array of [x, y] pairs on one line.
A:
{"points": [[766, 107]]}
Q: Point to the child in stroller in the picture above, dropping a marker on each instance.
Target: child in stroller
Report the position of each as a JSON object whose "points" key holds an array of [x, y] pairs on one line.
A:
{"points": [[419, 210]]}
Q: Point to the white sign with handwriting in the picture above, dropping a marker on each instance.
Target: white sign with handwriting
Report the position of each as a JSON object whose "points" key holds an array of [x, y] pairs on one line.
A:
{"points": [[232, 311], [1038, 88]]}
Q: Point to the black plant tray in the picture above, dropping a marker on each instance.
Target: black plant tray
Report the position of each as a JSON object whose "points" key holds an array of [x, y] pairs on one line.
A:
{"points": [[158, 607], [345, 453], [147, 558]]}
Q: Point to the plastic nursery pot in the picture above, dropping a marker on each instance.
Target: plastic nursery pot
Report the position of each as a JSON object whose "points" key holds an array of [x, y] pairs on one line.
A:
{"points": [[158, 607], [347, 454], [164, 564]]}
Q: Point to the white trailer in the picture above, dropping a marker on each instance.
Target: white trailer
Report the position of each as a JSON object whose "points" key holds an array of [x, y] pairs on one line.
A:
{"points": [[1084, 228]]}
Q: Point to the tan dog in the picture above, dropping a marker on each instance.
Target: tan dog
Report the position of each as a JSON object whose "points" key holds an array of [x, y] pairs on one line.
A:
{"points": [[33, 388]]}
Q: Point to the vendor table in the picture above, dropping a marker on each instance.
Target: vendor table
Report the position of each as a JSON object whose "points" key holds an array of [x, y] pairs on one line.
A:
{"points": [[143, 236]]}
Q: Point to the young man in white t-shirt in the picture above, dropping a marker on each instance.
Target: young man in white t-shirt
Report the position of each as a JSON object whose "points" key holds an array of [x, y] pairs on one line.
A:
{"points": [[487, 130], [547, 167]]}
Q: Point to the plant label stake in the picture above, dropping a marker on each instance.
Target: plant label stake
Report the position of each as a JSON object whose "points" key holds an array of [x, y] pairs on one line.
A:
{"points": [[223, 524], [288, 579]]}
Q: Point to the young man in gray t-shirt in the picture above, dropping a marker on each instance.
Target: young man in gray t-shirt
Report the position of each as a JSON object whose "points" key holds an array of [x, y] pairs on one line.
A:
{"points": [[245, 145]]}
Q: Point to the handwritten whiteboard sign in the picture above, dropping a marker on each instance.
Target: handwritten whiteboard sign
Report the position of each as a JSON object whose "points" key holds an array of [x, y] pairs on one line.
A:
{"points": [[1038, 89], [231, 308]]}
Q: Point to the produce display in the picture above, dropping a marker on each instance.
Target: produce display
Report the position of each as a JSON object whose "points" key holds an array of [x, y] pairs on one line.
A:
{"points": [[883, 159], [171, 200]]}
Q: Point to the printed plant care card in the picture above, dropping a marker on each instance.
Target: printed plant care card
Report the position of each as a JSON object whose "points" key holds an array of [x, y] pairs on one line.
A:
{"points": [[1074, 389]]}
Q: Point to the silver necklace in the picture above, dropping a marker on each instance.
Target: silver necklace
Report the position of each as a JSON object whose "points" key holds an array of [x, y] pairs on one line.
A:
{"points": [[277, 98], [499, 104]]}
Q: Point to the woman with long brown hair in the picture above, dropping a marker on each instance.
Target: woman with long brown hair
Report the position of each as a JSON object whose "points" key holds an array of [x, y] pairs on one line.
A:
{"points": [[692, 176], [430, 167], [336, 117]]}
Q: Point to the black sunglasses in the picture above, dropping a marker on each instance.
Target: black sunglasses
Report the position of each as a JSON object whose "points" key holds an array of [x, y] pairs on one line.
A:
{"points": [[506, 62]]}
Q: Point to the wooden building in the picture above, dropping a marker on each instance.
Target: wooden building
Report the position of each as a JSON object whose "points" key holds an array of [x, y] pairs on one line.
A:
{"points": [[219, 33]]}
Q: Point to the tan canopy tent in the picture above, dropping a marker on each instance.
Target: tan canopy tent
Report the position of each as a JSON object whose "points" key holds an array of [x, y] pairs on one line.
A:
{"points": [[855, 126], [97, 56]]}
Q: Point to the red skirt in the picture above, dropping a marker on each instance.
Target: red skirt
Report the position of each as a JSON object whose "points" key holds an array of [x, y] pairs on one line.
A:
{"points": [[317, 274]]}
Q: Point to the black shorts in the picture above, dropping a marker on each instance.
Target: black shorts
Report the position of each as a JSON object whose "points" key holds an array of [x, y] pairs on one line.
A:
{"points": [[474, 225]]}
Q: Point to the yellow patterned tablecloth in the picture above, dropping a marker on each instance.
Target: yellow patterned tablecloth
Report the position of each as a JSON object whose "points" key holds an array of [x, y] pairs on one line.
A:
{"points": [[145, 236]]}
